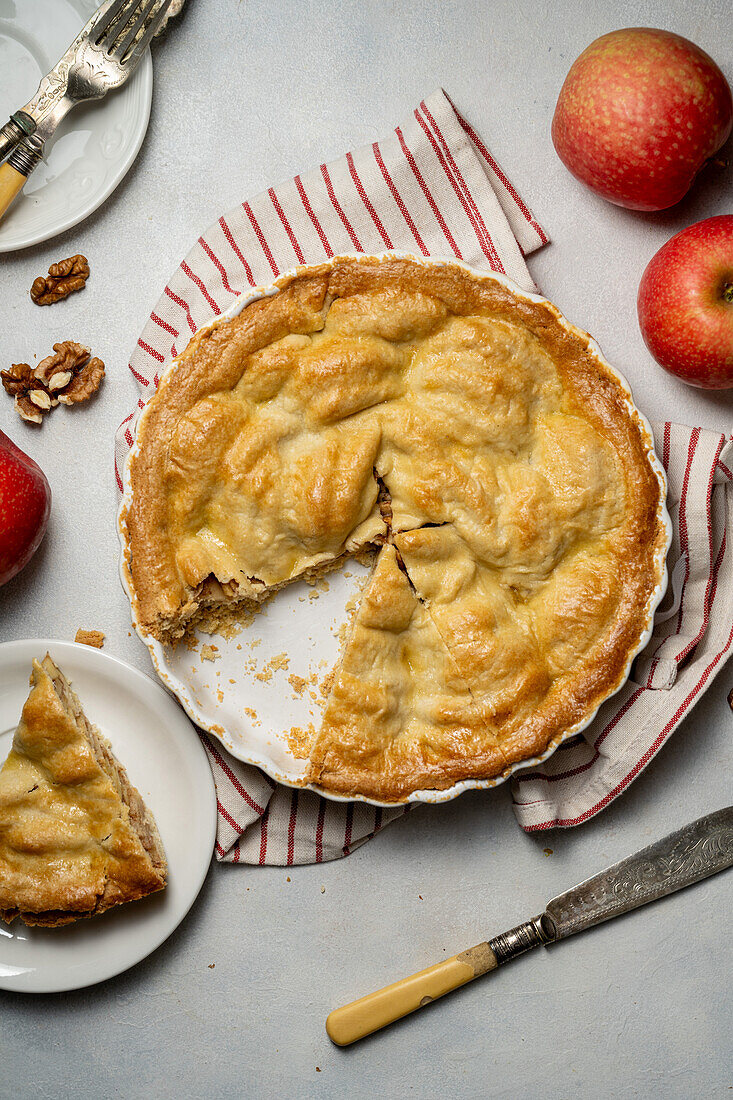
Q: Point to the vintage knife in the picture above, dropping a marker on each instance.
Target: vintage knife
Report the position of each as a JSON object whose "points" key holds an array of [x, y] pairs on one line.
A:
{"points": [[700, 849]]}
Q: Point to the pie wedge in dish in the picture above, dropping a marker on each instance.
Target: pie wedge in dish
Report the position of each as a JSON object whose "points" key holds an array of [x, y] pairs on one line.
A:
{"points": [[374, 400], [75, 836], [399, 713]]}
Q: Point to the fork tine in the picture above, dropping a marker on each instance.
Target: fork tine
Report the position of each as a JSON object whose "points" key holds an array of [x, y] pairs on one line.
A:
{"points": [[150, 33], [152, 11], [107, 18]]}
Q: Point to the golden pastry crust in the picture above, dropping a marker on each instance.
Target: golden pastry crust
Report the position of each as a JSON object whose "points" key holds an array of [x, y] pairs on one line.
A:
{"points": [[261, 458], [75, 836], [400, 717]]}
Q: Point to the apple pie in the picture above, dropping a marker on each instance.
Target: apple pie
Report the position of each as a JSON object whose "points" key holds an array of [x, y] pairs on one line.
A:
{"points": [[468, 432], [75, 836]]}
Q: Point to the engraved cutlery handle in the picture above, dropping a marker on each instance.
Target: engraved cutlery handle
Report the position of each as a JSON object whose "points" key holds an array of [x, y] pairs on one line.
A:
{"points": [[360, 1018]]}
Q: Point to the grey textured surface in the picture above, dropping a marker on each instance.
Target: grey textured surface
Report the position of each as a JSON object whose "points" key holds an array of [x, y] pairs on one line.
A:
{"points": [[248, 92]]}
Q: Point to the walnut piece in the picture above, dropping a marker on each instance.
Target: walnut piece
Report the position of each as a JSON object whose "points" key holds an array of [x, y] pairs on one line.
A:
{"points": [[90, 637], [68, 376], [63, 279], [31, 396]]}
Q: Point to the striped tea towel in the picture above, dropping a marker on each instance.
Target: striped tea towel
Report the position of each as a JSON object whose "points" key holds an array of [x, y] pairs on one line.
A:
{"points": [[433, 188]]}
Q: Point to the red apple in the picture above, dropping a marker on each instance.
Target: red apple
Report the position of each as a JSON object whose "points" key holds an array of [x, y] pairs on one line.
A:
{"points": [[686, 304], [25, 503], [640, 112]]}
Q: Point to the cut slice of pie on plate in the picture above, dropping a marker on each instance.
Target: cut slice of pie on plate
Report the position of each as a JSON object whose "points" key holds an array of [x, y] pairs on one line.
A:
{"points": [[75, 836]]}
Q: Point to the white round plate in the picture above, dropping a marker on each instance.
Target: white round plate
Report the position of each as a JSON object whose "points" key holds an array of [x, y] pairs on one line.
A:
{"points": [[93, 147], [248, 696], [166, 762]]}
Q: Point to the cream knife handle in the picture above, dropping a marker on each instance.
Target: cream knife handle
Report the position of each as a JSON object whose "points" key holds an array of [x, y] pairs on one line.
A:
{"points": [[360, 1018], [11, 182]]}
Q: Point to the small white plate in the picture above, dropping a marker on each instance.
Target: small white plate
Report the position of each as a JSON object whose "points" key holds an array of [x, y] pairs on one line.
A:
{"points": [[94, 146], [167, 763]]}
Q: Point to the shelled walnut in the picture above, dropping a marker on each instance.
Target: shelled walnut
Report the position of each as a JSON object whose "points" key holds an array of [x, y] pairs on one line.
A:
{"points": [[68, 376], [63, 279]]}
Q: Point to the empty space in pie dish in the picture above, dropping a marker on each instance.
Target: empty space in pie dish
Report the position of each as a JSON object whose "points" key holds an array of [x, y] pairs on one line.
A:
{"points": [[261, 689], [264, 691]]}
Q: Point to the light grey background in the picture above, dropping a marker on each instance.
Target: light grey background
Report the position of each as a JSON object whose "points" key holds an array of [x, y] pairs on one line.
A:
{"points": [[247, 92]]}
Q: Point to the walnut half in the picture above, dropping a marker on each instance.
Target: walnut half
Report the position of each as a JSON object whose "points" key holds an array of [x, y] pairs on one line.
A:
{"points": [[68, 376], [63, 279]]}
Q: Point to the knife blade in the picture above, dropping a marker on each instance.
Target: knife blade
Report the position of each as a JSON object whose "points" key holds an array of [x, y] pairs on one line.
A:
{"points": [[688, 855], [694, 852]]}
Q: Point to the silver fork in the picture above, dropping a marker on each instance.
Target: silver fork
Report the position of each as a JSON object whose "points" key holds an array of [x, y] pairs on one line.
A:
{"points": [[102, 57]]}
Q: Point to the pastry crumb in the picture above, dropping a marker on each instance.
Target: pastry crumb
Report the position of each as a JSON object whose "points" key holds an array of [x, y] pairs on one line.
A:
{"points": [[547, 851], [327, 683], [300, 740], [90, 637], [209, 653], [211, 966], [297, 683], [323, 889], [278, 663]]}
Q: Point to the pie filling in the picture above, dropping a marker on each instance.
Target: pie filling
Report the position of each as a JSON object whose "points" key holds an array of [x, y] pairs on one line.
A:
{"points": [[472, 437], [75, 836]]}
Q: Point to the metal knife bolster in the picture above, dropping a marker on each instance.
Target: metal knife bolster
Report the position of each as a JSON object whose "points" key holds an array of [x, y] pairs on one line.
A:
{"points": [[532, 933], [18, 126]]}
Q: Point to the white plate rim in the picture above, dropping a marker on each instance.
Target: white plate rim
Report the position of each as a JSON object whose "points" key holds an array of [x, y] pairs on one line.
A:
{"points": [[180, 689], [144, 75], [25, 649]]}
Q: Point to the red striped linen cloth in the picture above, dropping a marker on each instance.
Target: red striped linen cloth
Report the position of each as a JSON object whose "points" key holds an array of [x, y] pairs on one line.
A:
{"points": [[432, 188]]}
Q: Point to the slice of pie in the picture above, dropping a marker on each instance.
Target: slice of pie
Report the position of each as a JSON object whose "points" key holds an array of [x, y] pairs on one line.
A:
{"points": [[75, 835], [368, 399], [400, 717], [531, 657]]}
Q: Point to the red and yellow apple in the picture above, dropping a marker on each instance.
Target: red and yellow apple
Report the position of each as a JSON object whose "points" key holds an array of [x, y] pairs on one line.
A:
{"points": [[640, 112], [685, 304], [25, 504]]}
